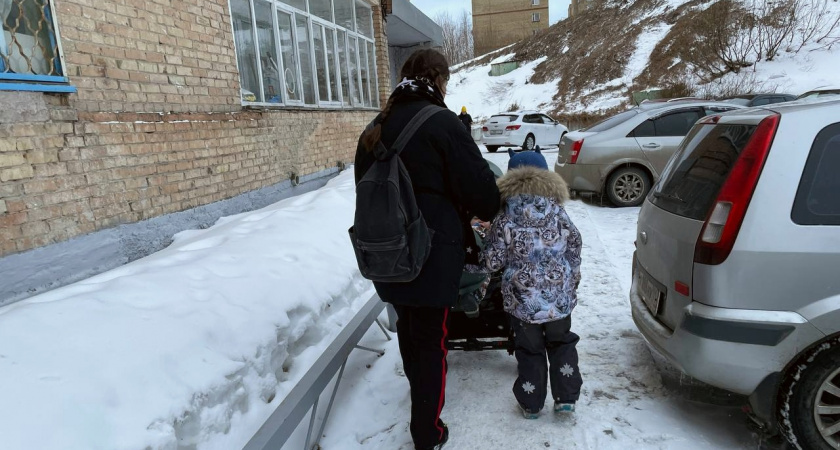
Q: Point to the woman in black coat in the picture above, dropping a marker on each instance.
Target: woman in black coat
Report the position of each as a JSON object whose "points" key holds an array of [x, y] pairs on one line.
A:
{"points": [[452, 184]]}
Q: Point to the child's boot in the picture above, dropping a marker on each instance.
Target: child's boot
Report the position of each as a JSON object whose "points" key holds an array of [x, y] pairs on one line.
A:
{"points": [[564, 408], [527, 413]]}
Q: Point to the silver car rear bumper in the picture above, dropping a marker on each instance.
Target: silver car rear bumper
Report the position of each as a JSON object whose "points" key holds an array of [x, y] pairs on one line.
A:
{"points": [[581, 177], [730, 349]]}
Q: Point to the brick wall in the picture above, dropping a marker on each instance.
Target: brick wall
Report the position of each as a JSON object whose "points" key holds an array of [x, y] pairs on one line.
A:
{"points": [[156, 126], [66, 178], [497, 23], [150, 55], [383, 64]]}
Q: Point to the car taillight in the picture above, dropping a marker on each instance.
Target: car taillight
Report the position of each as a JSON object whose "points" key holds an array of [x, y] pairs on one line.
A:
{"points": [[513, 127], [724, 221], [485, 129], [575, 153]]}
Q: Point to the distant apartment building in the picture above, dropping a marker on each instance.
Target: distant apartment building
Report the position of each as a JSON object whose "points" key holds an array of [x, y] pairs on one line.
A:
{"points": [[578, 6], [497, 23]]}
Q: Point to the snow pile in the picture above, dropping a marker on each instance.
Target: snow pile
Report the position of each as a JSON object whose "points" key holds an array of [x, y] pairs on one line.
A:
{"points": [[191, 347]]}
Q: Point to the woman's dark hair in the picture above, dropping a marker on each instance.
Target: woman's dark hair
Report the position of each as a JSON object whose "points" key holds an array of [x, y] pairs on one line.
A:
{"points": [[427, 63]]}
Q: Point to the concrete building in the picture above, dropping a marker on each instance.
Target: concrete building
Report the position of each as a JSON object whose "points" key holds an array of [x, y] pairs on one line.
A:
{"points": [[578, 6], [126, 121], [497, 23], [409, 30]]}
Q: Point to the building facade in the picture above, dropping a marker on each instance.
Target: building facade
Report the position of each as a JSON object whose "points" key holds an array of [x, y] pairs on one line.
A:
{"points": [[578, 6], [125, 121], [498, 23]]}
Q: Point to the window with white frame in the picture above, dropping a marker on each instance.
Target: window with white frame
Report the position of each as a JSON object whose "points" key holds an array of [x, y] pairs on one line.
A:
{"points": [[535, 2], [318, 53], [535, 17], [29, 47]]}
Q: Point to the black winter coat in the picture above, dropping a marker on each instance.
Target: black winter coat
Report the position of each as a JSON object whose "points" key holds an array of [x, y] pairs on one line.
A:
{"points": [[452, 183]]}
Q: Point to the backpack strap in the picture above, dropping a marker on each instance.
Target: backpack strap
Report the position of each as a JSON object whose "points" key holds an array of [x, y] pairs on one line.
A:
{"points": [[408, 132]]}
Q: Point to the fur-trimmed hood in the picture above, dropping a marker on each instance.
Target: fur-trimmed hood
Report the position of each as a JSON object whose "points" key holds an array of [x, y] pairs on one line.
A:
{"points": [[533, 181]]}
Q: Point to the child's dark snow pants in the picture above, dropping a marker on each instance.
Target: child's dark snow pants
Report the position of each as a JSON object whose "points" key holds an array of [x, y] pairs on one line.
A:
{"points": [[532, 342]]}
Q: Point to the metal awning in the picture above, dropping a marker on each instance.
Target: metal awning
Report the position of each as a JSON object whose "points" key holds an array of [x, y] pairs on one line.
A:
{"points": [[408, 26]]}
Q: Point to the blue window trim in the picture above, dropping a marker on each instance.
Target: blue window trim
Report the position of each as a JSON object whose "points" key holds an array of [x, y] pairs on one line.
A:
{"points": [[35, 78], [37, 87]]}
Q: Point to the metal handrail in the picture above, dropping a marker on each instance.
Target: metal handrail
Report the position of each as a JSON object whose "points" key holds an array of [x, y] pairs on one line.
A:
{"points": [[306, 395]]}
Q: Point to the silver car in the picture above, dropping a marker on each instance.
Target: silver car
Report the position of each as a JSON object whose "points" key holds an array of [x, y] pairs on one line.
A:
{"points": [[623, 156], [736, 277], [822, 91]]}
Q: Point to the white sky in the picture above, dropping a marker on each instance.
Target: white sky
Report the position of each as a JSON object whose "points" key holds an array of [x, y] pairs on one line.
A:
{"points": [[558, 9]]}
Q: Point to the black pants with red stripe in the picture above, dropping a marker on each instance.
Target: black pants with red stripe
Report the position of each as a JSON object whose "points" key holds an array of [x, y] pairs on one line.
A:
{"points": [[422, 337]]}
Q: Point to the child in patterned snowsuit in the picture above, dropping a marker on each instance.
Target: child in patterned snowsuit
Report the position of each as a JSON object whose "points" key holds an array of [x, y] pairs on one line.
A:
{"points": [[538, 246]]}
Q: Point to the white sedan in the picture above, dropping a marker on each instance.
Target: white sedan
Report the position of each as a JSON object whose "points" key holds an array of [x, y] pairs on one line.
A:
{"points": [[525, 129]]}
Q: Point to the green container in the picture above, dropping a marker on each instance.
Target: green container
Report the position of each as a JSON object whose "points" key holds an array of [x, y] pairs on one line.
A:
{"points": [[502, 68]]}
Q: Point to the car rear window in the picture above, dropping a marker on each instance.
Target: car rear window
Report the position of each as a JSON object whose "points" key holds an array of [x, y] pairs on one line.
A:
{"points": [[503, 118], [817, 202], [692, 179], [615, 120]]}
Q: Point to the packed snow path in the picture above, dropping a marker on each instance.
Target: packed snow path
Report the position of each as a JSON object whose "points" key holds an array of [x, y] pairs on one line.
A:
{"points": [[624, 404]]}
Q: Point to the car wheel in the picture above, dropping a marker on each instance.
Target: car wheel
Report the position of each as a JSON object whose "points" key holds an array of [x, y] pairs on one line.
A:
{"points": [[530, 143], [809, 410], [492, 148], [628, 186]]}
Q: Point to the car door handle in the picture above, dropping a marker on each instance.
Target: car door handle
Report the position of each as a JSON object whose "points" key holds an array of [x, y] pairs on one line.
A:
{"points": [[652, 146]]}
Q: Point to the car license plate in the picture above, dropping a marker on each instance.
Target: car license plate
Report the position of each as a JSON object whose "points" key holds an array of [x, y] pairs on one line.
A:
{"points": [[650, 294], [495, 132]]}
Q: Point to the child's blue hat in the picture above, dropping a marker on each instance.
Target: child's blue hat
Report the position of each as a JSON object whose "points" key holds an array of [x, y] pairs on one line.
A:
{"points": [[527, 159]]}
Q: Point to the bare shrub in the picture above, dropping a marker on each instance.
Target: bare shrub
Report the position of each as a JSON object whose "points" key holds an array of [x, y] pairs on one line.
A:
{"points": [[776, 24], [513, 107], [732, 85], [816, 23], [678, 89], [577, 121], [727, 31], [458, 42]]}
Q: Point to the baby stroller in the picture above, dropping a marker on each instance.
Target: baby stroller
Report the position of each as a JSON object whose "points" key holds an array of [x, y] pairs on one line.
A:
{"points": [[478, 320], [488, 328]]}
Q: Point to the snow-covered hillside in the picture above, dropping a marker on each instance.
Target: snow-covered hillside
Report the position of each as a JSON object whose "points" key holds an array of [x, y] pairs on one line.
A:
{"points": [[592, 64]]}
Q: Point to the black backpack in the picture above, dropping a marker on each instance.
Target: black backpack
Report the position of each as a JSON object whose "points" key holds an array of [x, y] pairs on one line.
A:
{"points": [[389, 234]]}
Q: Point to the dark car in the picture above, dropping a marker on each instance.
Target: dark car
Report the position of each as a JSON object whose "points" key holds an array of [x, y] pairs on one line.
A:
{"points": [[749, 100]]}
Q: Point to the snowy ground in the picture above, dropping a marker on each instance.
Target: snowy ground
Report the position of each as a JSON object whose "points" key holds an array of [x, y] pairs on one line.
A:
{"points": [[184, 349], [624, 404], [484, 95], [191, 349]]}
